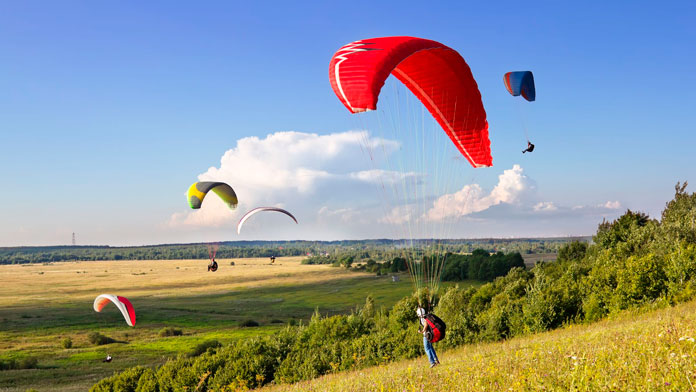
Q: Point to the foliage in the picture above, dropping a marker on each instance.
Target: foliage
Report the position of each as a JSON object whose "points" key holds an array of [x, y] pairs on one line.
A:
{"points": [[319, 252], [21, 363], [66, 342], [203, 347], [170, 331], [652, 351], [249, 323], [480, 265], [572, 251], [98, 339], [634, 261]]}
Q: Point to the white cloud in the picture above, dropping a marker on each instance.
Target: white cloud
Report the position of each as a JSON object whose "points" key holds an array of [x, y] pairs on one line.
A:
{"points": [[385, 177], [287, 167], [545, 206], [612, 205], [399, 215], [335, 187], [345, 215], [513, 187]]}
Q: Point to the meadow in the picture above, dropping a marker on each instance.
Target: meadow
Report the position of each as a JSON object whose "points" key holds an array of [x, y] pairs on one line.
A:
{"points": [[645, 350], [42, 304]]}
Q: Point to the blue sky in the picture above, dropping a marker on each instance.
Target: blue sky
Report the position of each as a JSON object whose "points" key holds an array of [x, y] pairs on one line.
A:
{"points": [[108, 111]]}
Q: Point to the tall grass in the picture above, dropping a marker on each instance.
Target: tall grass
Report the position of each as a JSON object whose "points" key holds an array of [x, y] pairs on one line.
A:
{"points": [[653, 351]]}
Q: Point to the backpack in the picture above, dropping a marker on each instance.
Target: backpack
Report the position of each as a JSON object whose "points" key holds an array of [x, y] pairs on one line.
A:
{"points": [[437, 327]]}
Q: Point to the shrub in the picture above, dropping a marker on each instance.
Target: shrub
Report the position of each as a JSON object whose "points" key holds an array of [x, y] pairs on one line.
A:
{"points": [[170, 331], [98, 339], [22, 363], [572, 251], [203, 347], [249, 323], [67, 343]]}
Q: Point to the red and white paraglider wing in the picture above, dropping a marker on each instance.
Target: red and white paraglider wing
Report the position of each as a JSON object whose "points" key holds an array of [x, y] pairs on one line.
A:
{"points": [[435, 73], [122, 303]]}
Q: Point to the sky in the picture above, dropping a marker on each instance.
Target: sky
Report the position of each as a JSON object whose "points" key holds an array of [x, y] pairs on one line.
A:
{"points": [[109, 111]]}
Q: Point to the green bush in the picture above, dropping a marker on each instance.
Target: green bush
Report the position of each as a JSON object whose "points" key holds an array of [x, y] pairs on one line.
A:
{"points": [[203, 347], [22, 363], [147, 382], [98, 339], [249, 323], [67, 342], [170, 331]]}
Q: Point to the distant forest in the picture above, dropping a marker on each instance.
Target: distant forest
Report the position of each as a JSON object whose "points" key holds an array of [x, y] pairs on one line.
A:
{"points": [[380, 249]]}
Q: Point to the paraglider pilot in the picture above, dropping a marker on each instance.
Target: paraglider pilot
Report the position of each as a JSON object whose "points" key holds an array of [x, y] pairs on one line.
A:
{"points": [[427, 336], [530, 147], [108, 358], [213, 266]]}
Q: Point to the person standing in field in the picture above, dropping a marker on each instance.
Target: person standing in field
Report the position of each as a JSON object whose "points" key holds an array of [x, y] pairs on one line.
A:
{"points": [[427, 337]]}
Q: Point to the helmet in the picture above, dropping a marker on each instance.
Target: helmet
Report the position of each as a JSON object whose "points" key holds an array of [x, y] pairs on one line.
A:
{"points": [[420, 312]]}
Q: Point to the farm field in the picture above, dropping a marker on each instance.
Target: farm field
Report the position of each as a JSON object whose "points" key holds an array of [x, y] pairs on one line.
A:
{"points": [[531, 259], [42, 304], [653, 351]]}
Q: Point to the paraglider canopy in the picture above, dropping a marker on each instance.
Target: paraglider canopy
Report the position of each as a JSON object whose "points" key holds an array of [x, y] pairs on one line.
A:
{"points": [[259, 209], [434, 73], [520, 83], [122, 303], [197, 192]]}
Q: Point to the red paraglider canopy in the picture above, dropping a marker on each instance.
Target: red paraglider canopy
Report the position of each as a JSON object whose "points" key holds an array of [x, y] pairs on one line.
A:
{"points": [[435, 73]]}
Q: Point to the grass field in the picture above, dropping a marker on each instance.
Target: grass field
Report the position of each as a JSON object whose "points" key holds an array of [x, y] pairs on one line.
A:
{"points": [[42, 304], [530, 260], [654, 351]]}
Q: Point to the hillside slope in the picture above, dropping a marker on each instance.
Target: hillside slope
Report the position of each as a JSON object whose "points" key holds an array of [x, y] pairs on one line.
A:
{"points": [[650, 351]]}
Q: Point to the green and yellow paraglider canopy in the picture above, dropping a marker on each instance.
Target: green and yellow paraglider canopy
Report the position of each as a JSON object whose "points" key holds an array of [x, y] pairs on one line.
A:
{"points": [[197, 192]]}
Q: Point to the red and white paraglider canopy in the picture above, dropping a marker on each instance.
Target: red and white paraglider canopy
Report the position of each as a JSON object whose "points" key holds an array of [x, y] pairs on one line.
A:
{"points": [[434, 73], [122, 303]]}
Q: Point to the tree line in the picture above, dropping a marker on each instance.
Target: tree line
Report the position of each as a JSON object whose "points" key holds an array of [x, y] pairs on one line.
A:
{"points": [[359, 249], [480, 265]]}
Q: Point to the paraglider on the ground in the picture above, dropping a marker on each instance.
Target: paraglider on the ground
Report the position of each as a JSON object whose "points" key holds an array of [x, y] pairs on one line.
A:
{"points": [[433, 72], [122, 303], [433, 330], [197, 192], [521, 83], [259, 209], [212, 251]]}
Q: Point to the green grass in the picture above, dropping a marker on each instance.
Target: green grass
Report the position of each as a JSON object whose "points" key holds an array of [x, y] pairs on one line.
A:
{"points": [[652, 351], [37, 329]]}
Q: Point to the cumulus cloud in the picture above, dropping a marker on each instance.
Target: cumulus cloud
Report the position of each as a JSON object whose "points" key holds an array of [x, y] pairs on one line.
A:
{"points": [[612, 205], [513, 187], [399, 215], [386, 177], [287, 166], [334, 186], [545, 206]]}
